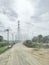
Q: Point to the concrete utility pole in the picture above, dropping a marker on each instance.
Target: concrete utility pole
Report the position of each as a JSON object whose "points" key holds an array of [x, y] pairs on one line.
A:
{"points": [[7, 34], [18, 30], [12, 37]]}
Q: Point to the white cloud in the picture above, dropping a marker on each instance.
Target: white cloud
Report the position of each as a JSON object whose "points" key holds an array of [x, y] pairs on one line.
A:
{"points": [[25, 9]]}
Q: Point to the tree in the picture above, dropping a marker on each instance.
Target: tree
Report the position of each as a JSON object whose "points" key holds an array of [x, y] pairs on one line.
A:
{"points": [[34, 39], [1, 38], [46, 39], [40, 38]]}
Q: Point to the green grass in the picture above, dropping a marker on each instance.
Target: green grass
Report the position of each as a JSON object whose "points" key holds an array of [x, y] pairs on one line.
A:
{"points": [[3, 49], [5, 46], [2, 44]]}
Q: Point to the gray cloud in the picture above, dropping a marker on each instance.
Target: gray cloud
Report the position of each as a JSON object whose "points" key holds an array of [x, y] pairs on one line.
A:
{"points": [[33, 16], [5, 8], [41, 8]]}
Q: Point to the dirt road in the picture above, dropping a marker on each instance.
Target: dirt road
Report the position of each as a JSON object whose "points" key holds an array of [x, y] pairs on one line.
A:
{"points": [[21, 55]]}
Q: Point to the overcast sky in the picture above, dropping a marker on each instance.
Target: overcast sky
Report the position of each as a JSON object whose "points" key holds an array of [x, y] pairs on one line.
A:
{"points": [[32, 14]]}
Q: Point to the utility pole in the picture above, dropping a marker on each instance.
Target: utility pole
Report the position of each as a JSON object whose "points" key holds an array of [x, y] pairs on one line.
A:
{"points": [[12, 37], [18, 30], [7, 35]]}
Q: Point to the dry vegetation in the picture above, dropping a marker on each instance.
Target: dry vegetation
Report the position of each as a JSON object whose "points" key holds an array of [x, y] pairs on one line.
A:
{"points": [[42, 55]]}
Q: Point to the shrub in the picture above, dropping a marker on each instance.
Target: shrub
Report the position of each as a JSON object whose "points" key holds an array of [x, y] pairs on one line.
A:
{"points": [[28, 43]]}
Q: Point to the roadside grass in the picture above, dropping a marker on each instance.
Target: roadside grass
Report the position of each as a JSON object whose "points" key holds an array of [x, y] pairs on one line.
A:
{"points": [[3, 49], [2, 44], [5, 46]]}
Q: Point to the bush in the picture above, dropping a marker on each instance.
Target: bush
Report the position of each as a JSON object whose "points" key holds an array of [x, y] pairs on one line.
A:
{"points": [[45, 46], [28, 43], [34, 45], [31, 44]]}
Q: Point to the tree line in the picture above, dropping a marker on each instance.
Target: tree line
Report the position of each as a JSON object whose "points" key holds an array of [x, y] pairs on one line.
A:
{"points": [[41, 39]]}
